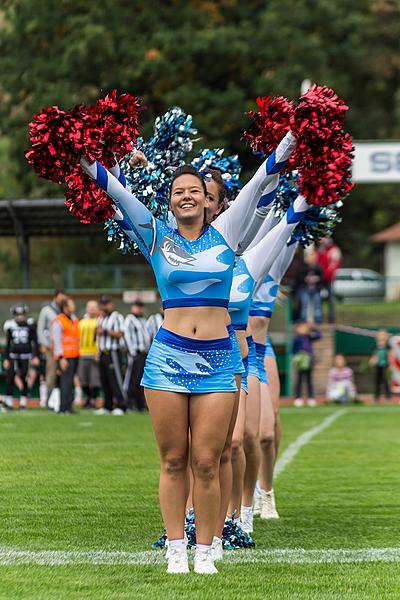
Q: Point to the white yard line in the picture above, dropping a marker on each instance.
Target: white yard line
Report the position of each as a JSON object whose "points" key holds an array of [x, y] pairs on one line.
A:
{"points": [[288, 455], [13, 556]]}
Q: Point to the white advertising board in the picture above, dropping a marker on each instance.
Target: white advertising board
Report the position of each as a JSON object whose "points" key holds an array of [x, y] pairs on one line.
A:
{"points": [[376, 162]]}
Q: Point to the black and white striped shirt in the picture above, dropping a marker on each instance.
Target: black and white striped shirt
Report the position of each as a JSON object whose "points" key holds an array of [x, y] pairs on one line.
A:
{"points": [[112, 322], [154, 323], [137, 338]]}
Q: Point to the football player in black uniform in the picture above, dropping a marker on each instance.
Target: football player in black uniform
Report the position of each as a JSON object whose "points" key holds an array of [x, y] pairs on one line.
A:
{"points": [[21, 351]]}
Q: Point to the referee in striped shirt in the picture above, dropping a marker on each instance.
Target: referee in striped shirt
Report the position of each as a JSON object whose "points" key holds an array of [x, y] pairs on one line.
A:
{"points": [[137, 341], [110, 340]]}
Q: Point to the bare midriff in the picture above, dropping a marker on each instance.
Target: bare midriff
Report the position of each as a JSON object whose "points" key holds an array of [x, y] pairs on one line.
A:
{"points": [[197, 322], [241, 338], [259, 328]]}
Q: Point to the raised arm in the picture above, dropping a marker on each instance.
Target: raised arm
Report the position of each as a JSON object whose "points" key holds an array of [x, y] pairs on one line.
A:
{"points": [[133, 217], [261, 215], [233, 223], [260, 258]]}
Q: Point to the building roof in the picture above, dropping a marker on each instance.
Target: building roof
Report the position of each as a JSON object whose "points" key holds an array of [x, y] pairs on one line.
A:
{"points": [[41, 217], [390, 234]]}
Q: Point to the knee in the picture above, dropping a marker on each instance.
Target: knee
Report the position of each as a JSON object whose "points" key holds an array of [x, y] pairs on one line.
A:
{"points": [[267, 439], [237, 447], [250, 442], [226, 455], [174, 465], [205, 467]]}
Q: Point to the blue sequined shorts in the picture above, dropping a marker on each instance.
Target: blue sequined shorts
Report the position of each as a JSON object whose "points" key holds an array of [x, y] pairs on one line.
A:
{"points": [[244, 383], [237, 357], [176, 363], [253, 364], [260, 353]]}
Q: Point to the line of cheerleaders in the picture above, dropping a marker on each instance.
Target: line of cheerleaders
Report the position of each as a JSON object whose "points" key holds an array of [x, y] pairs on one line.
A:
{"points": [[210, 378]]}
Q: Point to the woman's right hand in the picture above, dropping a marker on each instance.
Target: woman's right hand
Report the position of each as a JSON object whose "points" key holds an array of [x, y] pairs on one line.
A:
{"points": [[6, 364], [138, 159]]}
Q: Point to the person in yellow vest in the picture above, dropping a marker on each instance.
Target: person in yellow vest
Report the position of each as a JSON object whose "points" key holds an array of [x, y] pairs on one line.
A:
{"points": [[66, 341], [88, 369]]}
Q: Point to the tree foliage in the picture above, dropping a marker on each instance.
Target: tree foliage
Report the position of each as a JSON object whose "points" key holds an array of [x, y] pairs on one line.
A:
{"points": [[213, 58]]}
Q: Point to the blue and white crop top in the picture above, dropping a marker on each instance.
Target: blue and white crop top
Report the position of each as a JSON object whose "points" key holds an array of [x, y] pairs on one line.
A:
{"points": [[198, 272], [266, 292], [260, 266]]}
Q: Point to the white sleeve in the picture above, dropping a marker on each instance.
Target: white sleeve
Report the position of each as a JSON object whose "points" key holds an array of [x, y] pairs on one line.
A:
{"points": [[230, 223], [133, 217], [280, 266], [262, 213], [261, 257]]}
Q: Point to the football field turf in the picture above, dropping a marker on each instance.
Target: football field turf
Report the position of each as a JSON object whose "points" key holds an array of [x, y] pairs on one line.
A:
{"points": [[79, 511]]}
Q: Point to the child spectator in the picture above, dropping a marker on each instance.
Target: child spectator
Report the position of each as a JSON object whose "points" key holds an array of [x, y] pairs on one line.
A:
{"points": [[303, 358], [381, 360], [340, 386]]}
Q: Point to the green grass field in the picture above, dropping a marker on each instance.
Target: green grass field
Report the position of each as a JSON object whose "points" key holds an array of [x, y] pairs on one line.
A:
{"points": [[73, 486]]}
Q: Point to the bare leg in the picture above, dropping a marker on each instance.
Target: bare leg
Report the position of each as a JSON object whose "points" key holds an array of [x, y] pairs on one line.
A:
{"points": [[275, 391], [169, 413], [225, 466], [251, 440], [267, 439], [210, 416], [238, 458]]}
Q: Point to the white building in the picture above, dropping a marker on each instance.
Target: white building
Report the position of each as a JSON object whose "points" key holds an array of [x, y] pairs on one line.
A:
{"points": [[390, 237]]}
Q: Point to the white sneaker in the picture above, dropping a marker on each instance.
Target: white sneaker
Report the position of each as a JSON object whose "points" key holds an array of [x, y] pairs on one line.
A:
{"points": [[203, 563], [299, 402], [117, 412], [246, 519], [311, 402], [217, 552], [257, 500], [101, 411], [178, 561], [268, 508]]}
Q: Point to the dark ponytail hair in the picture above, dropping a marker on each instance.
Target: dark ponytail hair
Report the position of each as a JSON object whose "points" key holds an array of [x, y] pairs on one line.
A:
{"points": [[188, 170]]}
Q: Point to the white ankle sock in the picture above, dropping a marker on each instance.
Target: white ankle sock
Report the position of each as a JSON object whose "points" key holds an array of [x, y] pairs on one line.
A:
{"points": [[203, 547], [177, 544], [216, 539]]}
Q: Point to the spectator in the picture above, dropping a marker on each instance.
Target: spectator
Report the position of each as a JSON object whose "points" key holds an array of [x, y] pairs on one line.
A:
{"points": [[310, 291], [340, 386], [381, 360], [21, 350], [154, 323], [65, 337], [293, 279], [137, 341], [110, 334], [46, 316], [88, 369], [303, 354], [330, 260]]}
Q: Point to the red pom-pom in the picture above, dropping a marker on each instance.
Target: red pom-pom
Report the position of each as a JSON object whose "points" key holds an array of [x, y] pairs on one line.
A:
{"points": [[324, 151], [105, 132], [270, 124], [56, 136], [86, 200], [118, 119]]}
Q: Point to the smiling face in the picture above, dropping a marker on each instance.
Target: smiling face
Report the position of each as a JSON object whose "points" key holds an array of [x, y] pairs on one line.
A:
{"points": [[188, 199]]}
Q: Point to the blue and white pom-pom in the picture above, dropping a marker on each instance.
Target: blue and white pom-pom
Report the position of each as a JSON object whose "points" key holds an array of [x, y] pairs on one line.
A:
{"points": [[167, 149], [229, 166], [318, 222]]}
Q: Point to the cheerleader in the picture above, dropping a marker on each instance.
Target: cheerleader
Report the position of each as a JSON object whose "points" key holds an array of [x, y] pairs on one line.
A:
{"points": [[189, 370], [261, 310]]}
